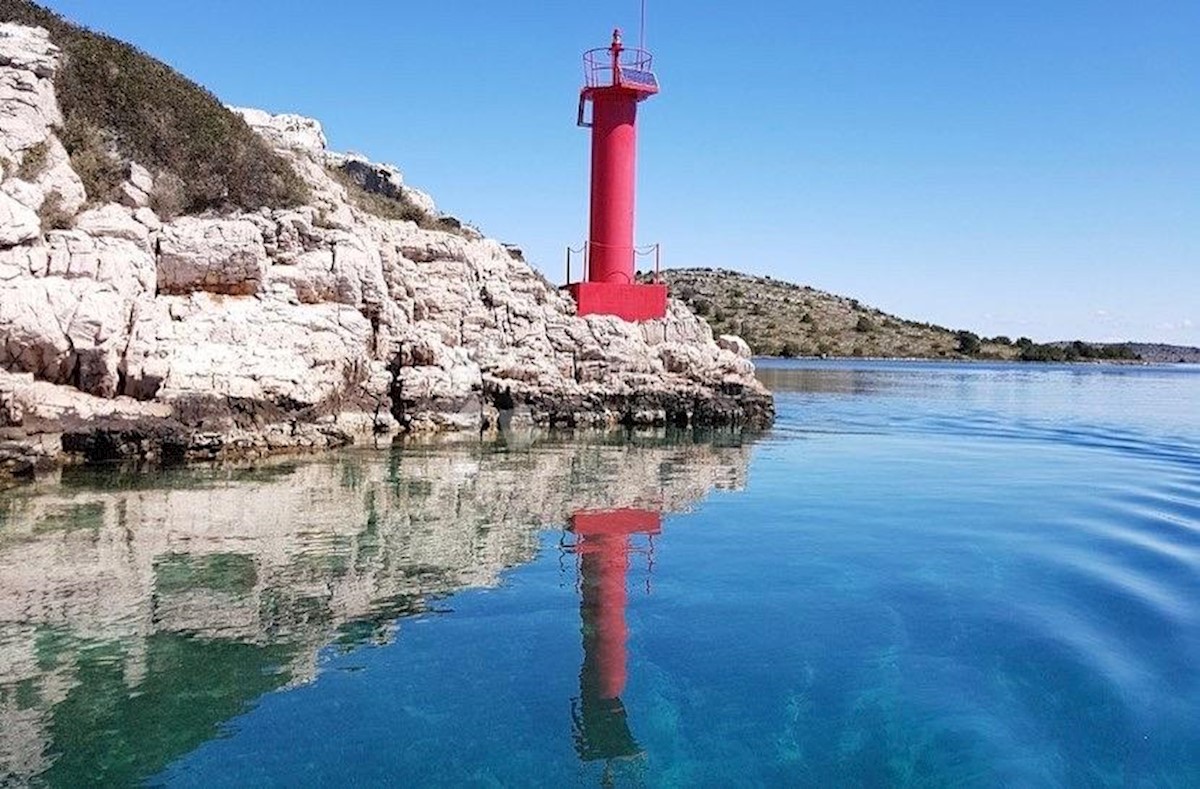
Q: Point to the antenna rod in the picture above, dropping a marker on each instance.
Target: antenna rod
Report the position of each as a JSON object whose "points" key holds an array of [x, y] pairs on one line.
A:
{"points": [[642, 34]]}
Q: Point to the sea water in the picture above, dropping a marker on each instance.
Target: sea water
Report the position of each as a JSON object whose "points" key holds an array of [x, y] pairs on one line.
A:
{"points": [[924, 575]]}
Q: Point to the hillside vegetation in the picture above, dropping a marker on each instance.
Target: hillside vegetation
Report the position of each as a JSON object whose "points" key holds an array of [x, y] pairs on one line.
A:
{"points": [[780, 318], [120, 104]]}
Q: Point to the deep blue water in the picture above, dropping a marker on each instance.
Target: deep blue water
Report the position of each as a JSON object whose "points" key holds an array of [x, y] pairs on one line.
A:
{"points": [[925, 575]]}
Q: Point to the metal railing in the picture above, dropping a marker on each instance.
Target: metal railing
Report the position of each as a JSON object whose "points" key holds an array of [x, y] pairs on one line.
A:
{"points": [[582, 251], [638, 252], [598, 66]]}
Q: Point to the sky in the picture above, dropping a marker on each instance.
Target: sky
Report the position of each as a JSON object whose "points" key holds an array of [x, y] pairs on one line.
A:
{"points": [[1026, 168]]}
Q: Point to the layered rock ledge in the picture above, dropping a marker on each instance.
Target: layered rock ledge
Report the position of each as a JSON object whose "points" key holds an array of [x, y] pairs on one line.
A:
{"points": [[124, 333]]}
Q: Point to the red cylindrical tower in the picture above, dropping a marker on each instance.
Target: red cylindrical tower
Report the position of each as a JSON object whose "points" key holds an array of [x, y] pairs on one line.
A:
{"points": [[614, 176], [617, 79]]}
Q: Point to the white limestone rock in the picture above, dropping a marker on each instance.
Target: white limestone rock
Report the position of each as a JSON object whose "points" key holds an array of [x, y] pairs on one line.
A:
{"points": [[136, 190], [125, 265], [28, 62], [113, 221], [285, 130], [140, 178], [27, 194], [214, 255], [246, 348], [28, 49], [58, 178], [68, 331], [734, 344], [18, 222], [148, 218], [23, 262], [32, 327]]}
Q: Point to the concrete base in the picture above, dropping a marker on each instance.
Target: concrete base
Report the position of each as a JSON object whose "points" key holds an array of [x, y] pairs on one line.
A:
{"points": [[629, 302]]}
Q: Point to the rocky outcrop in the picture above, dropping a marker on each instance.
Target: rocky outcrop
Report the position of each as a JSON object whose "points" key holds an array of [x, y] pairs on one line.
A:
{"points": [[255, 331]]}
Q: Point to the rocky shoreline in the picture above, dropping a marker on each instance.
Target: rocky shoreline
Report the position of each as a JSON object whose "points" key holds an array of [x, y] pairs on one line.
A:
{"points": [[126, 334]]}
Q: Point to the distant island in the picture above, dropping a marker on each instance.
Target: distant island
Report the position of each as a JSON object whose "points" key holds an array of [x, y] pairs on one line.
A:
{"points": [[778, 318]]}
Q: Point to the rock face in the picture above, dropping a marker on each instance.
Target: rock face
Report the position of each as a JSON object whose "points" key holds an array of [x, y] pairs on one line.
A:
{"points": [[300, 327]]}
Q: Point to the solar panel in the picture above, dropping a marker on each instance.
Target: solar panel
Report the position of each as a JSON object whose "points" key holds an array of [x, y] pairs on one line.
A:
{"points": [[639, 79]]}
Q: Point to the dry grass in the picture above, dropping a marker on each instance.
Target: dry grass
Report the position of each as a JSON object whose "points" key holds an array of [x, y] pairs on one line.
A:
{"points": [[393, 206]]}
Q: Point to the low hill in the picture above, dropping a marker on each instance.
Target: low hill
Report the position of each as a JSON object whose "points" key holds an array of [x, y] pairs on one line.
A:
{"points": [[780, 318], [1159, 353]]}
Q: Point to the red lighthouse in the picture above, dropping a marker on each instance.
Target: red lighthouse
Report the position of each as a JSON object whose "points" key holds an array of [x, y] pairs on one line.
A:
{"points": [[616, 80]]}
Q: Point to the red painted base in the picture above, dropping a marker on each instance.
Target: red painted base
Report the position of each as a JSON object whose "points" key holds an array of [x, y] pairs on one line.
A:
{"points": [[629, 302], [616, 522]]}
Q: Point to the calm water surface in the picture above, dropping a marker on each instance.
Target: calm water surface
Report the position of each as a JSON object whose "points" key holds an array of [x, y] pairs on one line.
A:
{"points": [[926, 575]]}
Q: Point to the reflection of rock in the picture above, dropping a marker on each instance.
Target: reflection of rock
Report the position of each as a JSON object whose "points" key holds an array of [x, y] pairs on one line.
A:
{"points": [[274, 561]]}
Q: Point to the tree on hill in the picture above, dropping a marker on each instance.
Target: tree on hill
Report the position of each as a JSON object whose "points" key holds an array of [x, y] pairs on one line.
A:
{"points": [[968, 343]]}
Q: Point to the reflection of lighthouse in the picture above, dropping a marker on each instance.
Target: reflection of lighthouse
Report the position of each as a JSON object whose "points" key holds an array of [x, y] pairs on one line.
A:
{"points": [[603, 546]]}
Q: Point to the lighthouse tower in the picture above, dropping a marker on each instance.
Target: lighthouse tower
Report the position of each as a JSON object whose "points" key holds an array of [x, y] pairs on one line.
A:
{"points": [[616, 81]]}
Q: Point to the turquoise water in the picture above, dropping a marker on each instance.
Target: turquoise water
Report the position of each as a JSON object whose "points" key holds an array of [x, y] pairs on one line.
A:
{"points": [[926, 575]]}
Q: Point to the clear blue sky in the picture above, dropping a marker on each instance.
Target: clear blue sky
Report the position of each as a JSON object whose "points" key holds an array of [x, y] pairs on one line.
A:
{"points": [[1029, 167]]}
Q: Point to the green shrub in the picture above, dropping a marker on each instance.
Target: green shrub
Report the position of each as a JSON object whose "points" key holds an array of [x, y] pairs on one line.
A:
{"points": [[168, 198], [113, 94], [864, 325], [34, 161], [93, 158], [968, 343], [52, 215]]}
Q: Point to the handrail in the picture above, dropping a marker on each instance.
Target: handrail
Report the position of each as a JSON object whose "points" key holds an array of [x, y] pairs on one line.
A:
{"points": [[581, 251], [598, 65], [642, 251]]}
